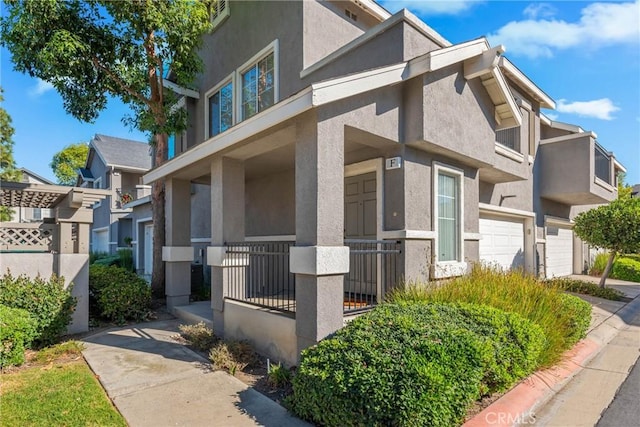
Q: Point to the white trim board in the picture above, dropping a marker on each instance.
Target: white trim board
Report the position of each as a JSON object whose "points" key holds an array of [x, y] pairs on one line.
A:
{"points": [[499, 210]]}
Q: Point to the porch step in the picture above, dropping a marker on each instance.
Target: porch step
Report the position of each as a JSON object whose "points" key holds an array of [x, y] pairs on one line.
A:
{"points": [[195, 312]]}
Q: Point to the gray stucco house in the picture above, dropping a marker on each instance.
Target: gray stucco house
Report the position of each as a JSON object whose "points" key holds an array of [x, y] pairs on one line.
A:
{"points": [[31, 214], [346, 149], [115, 164]]}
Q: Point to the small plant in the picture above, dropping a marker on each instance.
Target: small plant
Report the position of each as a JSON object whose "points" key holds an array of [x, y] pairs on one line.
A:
{"points": [[200, 336], [126, 198], [128, 241], [584, 288], [125, 259], [17, 331], [599, 264], [279, 376], [232, 356], [48, 301]]}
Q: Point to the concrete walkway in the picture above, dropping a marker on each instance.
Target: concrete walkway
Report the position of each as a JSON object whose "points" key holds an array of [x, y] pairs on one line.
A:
{"points": [[155, 381]]}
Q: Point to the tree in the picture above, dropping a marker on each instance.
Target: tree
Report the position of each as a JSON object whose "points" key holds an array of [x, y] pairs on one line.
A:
{"points": [[66, 162], [615, 227], [624, 189], [8, 171], [90, 50]]}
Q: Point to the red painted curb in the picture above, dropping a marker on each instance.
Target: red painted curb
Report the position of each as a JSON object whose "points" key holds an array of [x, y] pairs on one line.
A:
{"points": [[516, 406]]}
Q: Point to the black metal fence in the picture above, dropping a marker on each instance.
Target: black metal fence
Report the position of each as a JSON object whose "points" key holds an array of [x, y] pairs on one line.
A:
{"points": [[259, 274], [374, 269]]}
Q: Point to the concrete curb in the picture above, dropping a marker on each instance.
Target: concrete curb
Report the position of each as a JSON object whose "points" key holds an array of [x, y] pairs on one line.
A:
{"points": [[518, 405]]}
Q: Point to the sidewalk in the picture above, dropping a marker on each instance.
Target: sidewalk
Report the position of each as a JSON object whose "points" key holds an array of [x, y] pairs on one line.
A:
{"points": [[576, 391], [155, 381]]}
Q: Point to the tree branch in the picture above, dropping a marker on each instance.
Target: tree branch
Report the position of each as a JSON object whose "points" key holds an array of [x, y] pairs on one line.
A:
{"points": [[117, 80]]}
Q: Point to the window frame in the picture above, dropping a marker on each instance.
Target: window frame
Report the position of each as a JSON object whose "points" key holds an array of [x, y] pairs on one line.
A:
{"points": [[271, 48], [97, 184], [231, 78], [457, 266], [221, 16]]}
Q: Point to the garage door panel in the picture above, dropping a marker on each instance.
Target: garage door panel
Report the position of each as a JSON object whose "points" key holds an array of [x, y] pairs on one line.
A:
{"points": [[559, 251], [502, 242]]}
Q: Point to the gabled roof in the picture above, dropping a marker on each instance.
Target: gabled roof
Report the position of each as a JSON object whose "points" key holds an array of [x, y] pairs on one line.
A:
{"points": [[86, 174], [42, 180], [519, 78], [122, 153]]}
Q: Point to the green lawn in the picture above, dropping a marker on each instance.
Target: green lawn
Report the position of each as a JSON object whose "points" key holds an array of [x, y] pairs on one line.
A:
{"points": [[63, 392]]}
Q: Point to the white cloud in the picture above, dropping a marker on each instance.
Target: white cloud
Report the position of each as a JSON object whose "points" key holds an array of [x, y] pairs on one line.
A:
{"points": [[598, 108], [430, 7], [40, 88], [600, 24], [543, 10]]}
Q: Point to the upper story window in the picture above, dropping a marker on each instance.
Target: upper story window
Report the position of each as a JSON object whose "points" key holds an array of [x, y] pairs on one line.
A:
{"points": [[602, 164], [258, 86], [220, 104], [219, 12], [250, 89]]}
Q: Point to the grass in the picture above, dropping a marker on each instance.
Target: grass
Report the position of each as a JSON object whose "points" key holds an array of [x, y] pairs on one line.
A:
{"points": [[58, 388], [510, 291], [585, 288], [232, 356]]}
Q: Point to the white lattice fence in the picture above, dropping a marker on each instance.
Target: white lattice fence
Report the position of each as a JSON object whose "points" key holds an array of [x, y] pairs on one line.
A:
{"points": [[27, 237]]}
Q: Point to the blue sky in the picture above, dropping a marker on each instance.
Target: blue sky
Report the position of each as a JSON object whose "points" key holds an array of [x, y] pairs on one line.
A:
{"points": [[585, 55]]}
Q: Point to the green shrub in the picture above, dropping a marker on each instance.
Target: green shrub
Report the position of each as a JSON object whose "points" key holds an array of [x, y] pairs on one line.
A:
{"points": [[108, 260], [413, 364], [635, 257], [599, 264], [584, 288], [509, 291], [17, 331], [578, 313], [48, 302], [279, 376], [95, 256], [626, 268], [118, 294]]}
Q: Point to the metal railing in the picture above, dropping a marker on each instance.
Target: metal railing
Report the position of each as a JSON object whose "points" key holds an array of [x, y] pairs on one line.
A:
{"points": [[373, 270], [509, 138], [259, 274]]}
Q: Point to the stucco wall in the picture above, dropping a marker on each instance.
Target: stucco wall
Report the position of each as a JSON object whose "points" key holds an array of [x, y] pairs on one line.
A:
{"points": [[273, 334], [73, 267], [200, 211], [458, 114], [270, 204]]}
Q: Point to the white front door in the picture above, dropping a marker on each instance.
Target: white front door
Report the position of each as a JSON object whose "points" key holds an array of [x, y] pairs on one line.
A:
{"points": [[101, 241], [148, 249], [559, 251], [502, 242]]}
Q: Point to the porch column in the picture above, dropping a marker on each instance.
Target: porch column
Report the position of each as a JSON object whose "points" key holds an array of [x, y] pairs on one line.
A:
{"points": [[227, 225], [319, 258], [178, 253]]}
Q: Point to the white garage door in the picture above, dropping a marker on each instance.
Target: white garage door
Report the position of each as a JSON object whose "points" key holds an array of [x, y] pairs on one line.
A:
{"points": [[502, 242], [100, 241], [559, 260]]}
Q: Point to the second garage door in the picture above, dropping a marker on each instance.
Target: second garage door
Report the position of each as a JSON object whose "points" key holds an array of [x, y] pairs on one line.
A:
{"points": [[559, 259], [502, 242]]}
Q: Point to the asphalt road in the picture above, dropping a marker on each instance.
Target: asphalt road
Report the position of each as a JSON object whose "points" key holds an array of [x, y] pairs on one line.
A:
{"points": [[624, 410]]}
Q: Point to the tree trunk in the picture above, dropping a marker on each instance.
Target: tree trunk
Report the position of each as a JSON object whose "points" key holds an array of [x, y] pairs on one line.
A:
{"points": [[607, 269], [158, 208]]}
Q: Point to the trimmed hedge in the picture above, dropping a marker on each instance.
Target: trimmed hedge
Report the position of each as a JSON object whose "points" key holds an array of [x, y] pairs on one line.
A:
{"points": [[585, 288], [17, 331], [413, 364], [118, 294], [626, 268], [48, 302]]}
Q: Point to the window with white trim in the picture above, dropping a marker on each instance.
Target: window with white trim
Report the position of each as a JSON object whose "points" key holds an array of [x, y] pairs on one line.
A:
{"points": [[37, 214], [97, 183], [220, 107], [448, 213], [258, 86], [219, 11]]}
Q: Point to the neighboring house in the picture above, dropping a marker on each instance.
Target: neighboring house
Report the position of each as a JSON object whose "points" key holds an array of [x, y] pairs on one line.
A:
{"points": [[125, 216], [347, 149], [635, 190], [31, 214], [117, 165]]}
